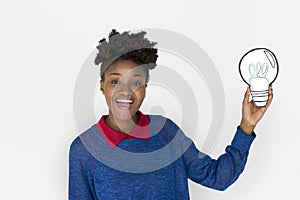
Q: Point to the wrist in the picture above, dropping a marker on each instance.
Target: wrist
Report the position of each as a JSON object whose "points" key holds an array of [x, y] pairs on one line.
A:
{"points": [[247, 127]]}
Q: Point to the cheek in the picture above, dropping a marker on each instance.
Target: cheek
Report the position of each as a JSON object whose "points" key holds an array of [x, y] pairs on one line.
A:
{"points": [[140, 93], [108, 95]]}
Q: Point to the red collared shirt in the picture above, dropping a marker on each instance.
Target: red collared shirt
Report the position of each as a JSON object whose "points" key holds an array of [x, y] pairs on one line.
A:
{"points": [[113, 137]]}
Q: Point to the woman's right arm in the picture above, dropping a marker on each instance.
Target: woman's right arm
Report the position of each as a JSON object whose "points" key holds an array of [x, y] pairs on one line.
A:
{"points": [[80, 180]]}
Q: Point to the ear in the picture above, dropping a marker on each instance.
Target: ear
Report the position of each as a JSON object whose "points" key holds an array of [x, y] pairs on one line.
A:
{"points": [[102, 86]]}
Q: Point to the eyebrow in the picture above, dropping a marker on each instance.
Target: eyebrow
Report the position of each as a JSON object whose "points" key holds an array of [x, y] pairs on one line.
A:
{"points": [[138, 75], [119, 74]]}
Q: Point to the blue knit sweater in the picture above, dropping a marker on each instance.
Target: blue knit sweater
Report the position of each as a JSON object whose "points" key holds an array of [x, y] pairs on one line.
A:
{"points": [[155, 169]]}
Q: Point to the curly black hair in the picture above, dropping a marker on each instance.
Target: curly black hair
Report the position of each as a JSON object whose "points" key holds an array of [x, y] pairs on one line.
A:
{"points": [[126, 46]]}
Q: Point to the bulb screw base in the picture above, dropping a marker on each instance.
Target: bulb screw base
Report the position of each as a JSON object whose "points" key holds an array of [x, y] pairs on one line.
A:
{"points": [[260, 98]]}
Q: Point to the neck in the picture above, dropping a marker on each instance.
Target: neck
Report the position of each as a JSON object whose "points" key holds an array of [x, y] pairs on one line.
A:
{"points": [[124, 126]]}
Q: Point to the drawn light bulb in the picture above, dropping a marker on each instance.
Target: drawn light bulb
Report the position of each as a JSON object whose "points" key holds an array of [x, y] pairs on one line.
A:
{"points": [[259, 69]]}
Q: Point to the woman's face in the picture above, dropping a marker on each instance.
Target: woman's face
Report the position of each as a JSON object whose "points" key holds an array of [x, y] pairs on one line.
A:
{"points": [[124, 88]]}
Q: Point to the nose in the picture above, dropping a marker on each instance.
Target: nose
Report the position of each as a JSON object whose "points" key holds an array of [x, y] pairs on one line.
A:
{"points": [[125, 89]]}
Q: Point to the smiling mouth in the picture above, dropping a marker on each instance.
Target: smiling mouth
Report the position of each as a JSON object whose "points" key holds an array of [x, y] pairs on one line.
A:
{"points": [[124, 103]]}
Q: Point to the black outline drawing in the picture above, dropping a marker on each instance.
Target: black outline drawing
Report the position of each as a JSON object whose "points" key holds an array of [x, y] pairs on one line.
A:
{"points": [[260, 71]]}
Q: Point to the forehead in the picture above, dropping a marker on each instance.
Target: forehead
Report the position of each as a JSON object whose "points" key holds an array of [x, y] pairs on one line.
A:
{"points": [[125, 67]]}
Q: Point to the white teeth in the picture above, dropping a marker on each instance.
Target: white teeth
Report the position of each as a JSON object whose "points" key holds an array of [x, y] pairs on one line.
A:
{"points": [[124, 101]]}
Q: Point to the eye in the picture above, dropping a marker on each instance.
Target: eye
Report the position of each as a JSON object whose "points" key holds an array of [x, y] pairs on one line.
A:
{"points": [[115, 82], [136, 83]]}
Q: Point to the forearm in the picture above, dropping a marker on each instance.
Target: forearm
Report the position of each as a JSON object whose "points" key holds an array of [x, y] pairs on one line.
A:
{"points": [[221, 173]]}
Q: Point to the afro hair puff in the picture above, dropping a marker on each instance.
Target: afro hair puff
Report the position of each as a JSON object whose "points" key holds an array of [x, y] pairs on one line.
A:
{"points": [[126, 46]]}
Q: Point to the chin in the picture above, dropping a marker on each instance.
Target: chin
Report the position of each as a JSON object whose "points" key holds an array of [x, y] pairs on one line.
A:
{"points": [[124, 114]]}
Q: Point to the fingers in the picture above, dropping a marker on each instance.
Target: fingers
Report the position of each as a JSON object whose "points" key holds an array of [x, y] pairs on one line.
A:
{"points": [[263, 109], [270, 96], [247, 96], [271, 90]]}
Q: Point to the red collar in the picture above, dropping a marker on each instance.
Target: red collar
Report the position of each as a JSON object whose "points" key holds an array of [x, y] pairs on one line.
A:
{"points": [[113, 137]]}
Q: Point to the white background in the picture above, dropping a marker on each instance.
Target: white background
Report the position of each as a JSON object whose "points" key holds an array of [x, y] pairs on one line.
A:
{"points": [[43, 45]]}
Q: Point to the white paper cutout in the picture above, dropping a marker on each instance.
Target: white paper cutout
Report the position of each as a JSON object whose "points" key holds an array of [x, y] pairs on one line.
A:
{"points": [[259, 69]]}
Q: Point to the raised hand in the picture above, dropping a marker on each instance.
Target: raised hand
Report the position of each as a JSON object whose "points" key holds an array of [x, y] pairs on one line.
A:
{"points": [[251, 114]]}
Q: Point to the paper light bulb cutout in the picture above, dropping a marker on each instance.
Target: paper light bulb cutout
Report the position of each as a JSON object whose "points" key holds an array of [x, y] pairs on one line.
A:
{"points": [[259, 69]]}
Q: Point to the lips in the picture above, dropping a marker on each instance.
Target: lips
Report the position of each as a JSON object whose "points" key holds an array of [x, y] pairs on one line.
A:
{"points": [[124, 103]]}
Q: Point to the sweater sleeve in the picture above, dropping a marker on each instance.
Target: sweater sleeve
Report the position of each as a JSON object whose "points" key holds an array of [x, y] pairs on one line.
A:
{"points": [[222, 172], [80, 179]]}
